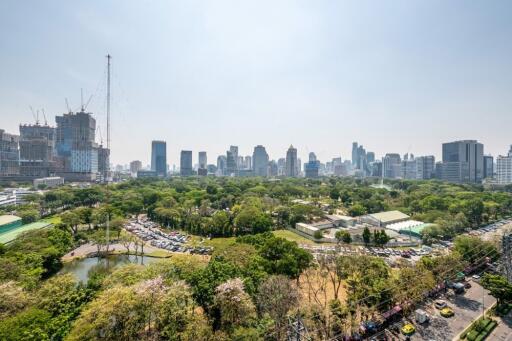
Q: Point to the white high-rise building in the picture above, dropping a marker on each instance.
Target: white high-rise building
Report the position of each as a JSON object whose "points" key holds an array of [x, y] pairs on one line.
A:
{"points": [[292, 162], [504, 168]]}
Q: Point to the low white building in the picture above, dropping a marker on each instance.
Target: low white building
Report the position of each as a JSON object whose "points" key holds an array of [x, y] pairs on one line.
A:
{"points": [[49, 181]]}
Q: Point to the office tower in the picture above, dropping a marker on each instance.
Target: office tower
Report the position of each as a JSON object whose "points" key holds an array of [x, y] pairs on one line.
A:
{"points": [[234, 152], [291, 162], [355, 154], [9, 154], [463, 161], [425, 167], [37, 150], [159, 157], [75, 143], [103, 162], [392, 165], [370, 157], [273, 168], [203, 160], [211, 169], [186, 163], [260, 161], [488, 166], [248, 162], [504, 168], [221, 165], [376, 168], [281, 166], [135, 166], [231, 168], [299, 167], [202, 167], [312, 167], [409, 169]]}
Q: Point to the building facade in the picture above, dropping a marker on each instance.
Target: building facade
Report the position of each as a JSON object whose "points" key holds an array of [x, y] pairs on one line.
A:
{"points": [[9, 154], [159, 157], [291, 162], [463, 161], [186, 163], [260, 161], [488, 166]]}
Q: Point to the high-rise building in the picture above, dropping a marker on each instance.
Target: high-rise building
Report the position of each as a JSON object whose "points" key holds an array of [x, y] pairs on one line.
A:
{"points": [[135, 166], [273, 168], [260, 161], [504, 168], [37, 150], [248, 162], [425, 167], [186, 163], [234, 153], [488, 166], [355, 155], [9, 154], [221, 165], [281, 166], [409, 167], [291, 162], [159, 157], [370, 157], [392, 165], [312, 167], [463, 161], [203, 162], [75, 144], [231, 167]]}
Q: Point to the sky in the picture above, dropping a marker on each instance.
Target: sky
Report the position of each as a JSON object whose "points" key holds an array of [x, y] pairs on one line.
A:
{"points": [[396, 76]]}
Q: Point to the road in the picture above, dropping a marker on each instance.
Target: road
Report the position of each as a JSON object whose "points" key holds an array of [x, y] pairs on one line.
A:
{"points": [[467, 308], [503, 332]]}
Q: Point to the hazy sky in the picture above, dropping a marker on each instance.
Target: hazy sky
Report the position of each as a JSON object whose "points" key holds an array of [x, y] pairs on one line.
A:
{"points": [[397, 76]]}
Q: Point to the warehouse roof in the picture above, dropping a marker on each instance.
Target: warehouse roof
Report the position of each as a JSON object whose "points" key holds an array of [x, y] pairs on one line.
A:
{"points": [[389, 216], [7, 219]]}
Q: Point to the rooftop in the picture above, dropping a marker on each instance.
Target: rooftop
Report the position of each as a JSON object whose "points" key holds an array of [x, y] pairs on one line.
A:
{"points": [[389, 216]]}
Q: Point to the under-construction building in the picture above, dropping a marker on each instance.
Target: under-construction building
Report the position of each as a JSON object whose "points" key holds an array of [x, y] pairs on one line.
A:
{"points": [[9, 154], [37, 151]]}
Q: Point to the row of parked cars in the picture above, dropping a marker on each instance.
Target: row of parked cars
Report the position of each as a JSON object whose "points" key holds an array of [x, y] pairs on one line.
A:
{"points": [[491, 227], [172, 241], [386, 252]]}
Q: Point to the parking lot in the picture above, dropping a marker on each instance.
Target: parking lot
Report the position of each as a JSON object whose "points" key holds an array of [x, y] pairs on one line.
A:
{"points": [[467, 307], [172, 241]]}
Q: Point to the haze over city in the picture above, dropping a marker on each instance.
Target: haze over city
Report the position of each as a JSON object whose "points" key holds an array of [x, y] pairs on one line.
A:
{"points": [[401, 76]]}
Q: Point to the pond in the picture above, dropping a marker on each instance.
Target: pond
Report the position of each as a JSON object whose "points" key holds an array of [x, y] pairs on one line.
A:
{"points": [[85, 267]]}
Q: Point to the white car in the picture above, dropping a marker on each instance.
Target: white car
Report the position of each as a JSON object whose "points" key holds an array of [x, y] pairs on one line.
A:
{"points": [[475, 277]]}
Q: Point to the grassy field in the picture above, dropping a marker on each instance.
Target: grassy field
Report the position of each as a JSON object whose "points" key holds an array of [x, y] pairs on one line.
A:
{"points": [[52, 220], [294, 237]]}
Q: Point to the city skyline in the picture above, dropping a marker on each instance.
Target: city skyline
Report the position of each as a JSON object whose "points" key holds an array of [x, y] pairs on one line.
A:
{"points": [[352, 69]]}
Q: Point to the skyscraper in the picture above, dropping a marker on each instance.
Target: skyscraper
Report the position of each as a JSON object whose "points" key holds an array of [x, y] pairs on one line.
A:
{"points": [[463, 161], [186, 163], [135, 166], [234, 153], [291, 162], [312, 167], [231, 168], [425, 167], [37, 150], [75, 144], [221, 165], [202, 164], [355, 156], [392, 165], [9, 154], [504, 168], [488, 166], [159, 157], [260, 161], [248, 162]]}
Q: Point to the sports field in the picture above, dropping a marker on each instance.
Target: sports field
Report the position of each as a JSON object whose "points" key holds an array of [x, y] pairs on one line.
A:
{"points": [[9, 236]]}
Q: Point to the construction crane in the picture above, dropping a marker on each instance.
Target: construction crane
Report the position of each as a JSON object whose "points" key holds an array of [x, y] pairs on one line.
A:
{"points": [[36, 116], [67, 106], [44, 116]]}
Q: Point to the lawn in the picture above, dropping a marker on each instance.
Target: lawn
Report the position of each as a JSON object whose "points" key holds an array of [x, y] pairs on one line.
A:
{"points": [[294, 237]]}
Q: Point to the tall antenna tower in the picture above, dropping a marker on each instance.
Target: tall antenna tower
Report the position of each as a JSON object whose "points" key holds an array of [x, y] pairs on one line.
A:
{"points": [[107, 175]]}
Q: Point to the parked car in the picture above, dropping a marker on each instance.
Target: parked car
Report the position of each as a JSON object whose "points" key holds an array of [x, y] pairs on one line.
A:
{"points": [[447, 312], [440, 304], [408, 329]]}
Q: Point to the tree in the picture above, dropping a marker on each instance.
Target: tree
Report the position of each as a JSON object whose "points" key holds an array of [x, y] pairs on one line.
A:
{"points": [[31, 324], [235, 306], [499, 287], [380, 238], [475, 250], [28, 215], [276, 297], [366, 235], [356, 210], [13, 298], [343, 236], [72, 220], [318, 234], [252, 220]]}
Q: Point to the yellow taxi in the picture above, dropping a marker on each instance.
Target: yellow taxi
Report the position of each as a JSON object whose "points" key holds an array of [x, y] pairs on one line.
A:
{"points": [[447, 312], [408, 329]]}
